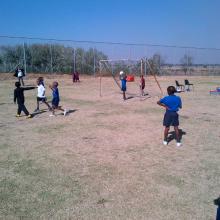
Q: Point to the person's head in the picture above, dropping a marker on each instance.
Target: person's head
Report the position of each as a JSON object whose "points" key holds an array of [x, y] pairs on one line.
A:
{"points": [[171, 90], [40, 80], [17, 84], [55, 84], [141, 76]]}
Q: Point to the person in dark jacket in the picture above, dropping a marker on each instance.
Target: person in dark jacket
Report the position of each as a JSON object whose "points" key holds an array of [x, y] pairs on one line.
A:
{"points": [[19, 97], [20, 73]]}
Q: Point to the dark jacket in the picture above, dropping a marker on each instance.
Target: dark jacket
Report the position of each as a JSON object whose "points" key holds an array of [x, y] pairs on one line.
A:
{"points": [[19, 94]]}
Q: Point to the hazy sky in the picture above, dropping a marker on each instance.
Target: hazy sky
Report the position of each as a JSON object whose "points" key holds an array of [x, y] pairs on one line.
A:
{"points": [[173, 22]]}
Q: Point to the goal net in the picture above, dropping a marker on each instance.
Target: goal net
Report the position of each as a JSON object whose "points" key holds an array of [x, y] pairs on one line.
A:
{"points": [[110, 84]]}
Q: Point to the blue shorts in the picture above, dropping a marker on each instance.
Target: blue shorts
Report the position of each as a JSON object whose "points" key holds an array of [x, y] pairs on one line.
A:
{"points": [[123, 88], [55, 102], [171, 119]]}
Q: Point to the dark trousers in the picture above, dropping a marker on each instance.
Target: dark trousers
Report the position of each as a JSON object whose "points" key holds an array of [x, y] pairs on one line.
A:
{"points": [[218, 213], [21, 107], [21, 80]]}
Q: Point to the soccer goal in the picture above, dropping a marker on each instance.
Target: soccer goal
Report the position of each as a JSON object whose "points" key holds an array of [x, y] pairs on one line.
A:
{"points": [[109, 71]]}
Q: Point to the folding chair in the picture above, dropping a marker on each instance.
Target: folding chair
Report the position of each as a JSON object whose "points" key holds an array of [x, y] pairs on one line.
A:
{"points": [[187, 85], [179, 87]]}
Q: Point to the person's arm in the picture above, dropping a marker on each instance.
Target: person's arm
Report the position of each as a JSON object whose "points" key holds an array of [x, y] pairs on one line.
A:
{"points": [[51, 87], [163, 105], [15, 96], [180, 106], [29, 88]]}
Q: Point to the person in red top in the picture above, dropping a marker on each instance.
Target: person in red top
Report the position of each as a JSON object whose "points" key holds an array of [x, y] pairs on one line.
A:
{"points": [[142, 85]]}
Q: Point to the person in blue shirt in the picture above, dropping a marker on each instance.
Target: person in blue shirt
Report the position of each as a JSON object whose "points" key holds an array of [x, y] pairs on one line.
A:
{"points": [[56, 99], [172, 104], [123, 78]]}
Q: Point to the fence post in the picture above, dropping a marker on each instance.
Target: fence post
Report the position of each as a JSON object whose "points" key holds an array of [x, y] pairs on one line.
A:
{"points": [[24, 58], [51, 59], [94, 63]]}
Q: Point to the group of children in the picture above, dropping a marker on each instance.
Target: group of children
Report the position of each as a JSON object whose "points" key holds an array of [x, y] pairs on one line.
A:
{"points": [[171, 103], [20, 99]]}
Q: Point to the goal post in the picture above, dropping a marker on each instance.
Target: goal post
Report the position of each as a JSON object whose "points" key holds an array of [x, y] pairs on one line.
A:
{"points": [[112, 67]]}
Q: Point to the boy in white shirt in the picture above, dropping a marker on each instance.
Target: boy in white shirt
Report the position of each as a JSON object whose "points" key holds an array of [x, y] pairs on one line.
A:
{"points": [[41, 94]]}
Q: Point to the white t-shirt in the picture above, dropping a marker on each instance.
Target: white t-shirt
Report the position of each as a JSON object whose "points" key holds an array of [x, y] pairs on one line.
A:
{"points": [[41, 91], [20, 74]]}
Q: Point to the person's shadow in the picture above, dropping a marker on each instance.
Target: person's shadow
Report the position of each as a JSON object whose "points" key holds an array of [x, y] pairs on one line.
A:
{"points": [[172, 135]]}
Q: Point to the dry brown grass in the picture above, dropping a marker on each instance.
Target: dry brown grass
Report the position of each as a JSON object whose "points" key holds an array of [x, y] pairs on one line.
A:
{"points": [[106, 160]]}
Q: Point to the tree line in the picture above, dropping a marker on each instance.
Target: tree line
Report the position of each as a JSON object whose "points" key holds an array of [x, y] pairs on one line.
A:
{"points": [[47, 58]]}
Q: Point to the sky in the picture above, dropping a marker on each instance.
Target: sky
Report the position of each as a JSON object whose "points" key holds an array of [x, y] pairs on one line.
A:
{"points": [[171, 22]]}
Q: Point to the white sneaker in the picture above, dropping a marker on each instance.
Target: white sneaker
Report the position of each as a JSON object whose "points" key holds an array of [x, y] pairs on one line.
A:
{"points": [[52, 115], [178, 144], [65, 112], [165, 143]]}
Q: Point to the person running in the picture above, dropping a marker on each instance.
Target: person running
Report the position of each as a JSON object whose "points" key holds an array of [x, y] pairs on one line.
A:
{"points": [[56, 99], [172, 104], [41, 94], [19, 97]]}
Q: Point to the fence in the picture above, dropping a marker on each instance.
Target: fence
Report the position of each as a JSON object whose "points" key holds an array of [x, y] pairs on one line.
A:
{"points": [[64, 56]]}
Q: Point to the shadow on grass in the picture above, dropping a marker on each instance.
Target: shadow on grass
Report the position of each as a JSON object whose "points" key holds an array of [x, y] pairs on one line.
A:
{"points": [[39, 112], [172, 135]]}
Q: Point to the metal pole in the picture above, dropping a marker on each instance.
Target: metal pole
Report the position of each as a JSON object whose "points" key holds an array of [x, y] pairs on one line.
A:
{"points": [[141, 66], [94, 62], [100, 79], [51, 59], [145, 67], [24, 56], [74, 60]]}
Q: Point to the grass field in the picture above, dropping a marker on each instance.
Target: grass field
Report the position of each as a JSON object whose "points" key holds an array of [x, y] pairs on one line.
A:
{"points": [[105, 160]]}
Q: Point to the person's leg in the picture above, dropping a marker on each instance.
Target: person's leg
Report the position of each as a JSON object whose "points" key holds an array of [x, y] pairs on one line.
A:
{"points": [[19, 110], [166, 131], [177, 134], [46, 103], [22, 81], [124, 96], [24, 109], [38, 107]]}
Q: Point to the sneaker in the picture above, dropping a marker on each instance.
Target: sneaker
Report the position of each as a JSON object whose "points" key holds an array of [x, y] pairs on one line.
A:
{"points": [[178, 144], [65, 112], [18, 116], [29, 116], [165, 143], [51, 115]]}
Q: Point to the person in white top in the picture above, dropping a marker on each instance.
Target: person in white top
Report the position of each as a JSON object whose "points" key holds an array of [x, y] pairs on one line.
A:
{"points": [[41, 94], [20, 73]]}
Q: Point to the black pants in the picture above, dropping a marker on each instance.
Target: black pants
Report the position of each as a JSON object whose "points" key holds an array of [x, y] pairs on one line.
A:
{"points": [[21, 107], [21, 80]]}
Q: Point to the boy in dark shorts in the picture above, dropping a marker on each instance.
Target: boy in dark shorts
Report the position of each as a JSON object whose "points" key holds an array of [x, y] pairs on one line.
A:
{"points": [[172, 104], [56, 99], [41, 94], [19, 97]]}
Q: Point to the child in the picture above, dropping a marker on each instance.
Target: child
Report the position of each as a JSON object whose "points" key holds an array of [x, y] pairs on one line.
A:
{"points": [[123, 83], [41, 94], [142, 85], [19, 73], [171, 103], [19, 96], [56, 99]]}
